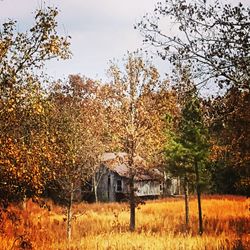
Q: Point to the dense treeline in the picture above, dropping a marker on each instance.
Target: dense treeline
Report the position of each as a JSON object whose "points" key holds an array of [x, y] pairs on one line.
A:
{"points": [[212, 43]]}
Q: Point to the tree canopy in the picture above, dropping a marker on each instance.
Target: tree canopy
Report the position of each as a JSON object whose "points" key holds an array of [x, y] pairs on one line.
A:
{"points": [[24, 107], [211, 39]]}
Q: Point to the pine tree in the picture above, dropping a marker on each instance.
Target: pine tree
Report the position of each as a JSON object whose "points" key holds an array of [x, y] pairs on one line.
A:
{"points": [[187, 148], [194, 138]]}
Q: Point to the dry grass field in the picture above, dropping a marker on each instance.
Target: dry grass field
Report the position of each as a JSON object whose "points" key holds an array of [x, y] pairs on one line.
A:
{"points": [[160, 225]]}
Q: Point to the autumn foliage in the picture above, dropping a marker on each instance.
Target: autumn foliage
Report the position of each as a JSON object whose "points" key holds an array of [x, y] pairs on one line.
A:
{"points": [[229, 119], [53, 134]]}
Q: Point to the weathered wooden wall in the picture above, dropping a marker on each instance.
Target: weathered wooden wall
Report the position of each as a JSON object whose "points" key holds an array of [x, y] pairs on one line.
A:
{"points": [[107, 188], [148, 188]]}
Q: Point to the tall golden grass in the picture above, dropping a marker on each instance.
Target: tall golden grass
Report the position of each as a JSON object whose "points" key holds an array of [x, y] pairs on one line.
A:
{"points": [[160, 225]]}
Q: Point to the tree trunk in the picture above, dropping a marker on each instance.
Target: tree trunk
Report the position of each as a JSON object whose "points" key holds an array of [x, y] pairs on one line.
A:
{"points": [[24, 203], [132, 204], [69, 213], [96, 195], [186, 202], [179, 185], [95, 188], [198, 197]]}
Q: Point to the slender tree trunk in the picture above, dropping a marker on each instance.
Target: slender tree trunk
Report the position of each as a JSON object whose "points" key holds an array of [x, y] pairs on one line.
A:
{"points": [[131, 153], [24, 203], [198, 197], [69, 213], [132, 204], [179, 185], [95, 188], [96, 195], [186, 193]]}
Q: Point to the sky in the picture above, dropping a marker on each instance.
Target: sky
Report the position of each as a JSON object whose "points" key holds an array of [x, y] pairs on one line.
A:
{"points": [[101, 30]]}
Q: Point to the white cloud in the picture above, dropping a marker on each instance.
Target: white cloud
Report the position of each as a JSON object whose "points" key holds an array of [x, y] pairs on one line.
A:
{"points": [[100, 29]]}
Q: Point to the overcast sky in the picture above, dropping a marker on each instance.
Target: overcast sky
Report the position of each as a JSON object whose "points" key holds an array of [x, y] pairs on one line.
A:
{"points": [[100, 29]]}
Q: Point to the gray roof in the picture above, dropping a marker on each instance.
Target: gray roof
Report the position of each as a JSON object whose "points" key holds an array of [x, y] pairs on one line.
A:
{"points": [[118, 162], [112, 156]]}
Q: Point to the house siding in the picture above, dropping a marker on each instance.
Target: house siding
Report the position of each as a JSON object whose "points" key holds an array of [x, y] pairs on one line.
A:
{"points": [[107, 189], [148, 188]]}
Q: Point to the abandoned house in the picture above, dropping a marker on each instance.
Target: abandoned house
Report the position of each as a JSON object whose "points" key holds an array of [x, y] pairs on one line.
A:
{"points": [[112, 179]]}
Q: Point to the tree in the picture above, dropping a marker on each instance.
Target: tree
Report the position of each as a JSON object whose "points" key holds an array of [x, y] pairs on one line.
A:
{"points": [[187, 148], [69, 152], [24, 152], [136, 102], [91, 97], [194, 139], [229, 126], [179, 164], [75, 140], [213, 40]]}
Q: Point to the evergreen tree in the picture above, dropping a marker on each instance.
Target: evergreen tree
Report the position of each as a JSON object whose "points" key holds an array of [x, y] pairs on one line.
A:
{"points": [[187, 149]]}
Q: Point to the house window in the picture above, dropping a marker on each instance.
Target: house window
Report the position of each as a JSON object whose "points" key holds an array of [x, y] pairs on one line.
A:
{"points": [[108, 186], [118, 185]]}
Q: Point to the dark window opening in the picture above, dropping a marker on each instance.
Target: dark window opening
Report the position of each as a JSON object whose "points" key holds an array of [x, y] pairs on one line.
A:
{"points": [[108, 186], [119, 185]]}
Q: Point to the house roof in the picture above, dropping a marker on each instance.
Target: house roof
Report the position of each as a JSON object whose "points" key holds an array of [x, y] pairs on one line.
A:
{"points": [[118, 162], [112, 156]]}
